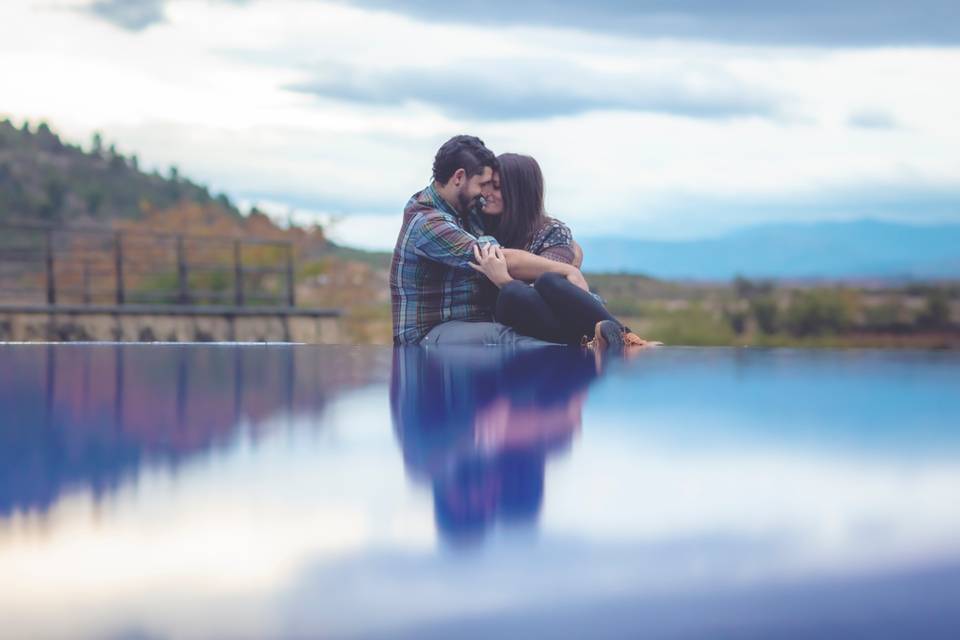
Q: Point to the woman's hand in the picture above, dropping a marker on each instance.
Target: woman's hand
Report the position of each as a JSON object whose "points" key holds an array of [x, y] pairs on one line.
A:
{"points": [[576, 277], [491, 263], [577, 254]]}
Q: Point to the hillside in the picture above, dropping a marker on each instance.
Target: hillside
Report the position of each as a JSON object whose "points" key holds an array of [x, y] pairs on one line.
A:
{"points": [[45, 179]]}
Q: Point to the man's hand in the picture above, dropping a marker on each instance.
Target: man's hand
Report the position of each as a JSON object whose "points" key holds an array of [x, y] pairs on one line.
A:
{"points": [[491, 263]]}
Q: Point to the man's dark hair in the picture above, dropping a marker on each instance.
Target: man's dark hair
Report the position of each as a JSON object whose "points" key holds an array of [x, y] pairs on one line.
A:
{"points": [[462, 152]]}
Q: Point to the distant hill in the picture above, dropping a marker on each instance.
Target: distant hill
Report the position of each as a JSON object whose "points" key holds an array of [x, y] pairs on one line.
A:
{"points": [[48, 180], [44, 179], [831, 250]]}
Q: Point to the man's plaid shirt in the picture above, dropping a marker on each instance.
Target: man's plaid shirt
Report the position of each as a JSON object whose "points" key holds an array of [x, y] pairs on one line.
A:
{"points": [[431, 280]]}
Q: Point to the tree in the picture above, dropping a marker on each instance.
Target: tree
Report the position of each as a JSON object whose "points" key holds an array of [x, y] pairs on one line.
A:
{"points": [[47, 139], [96, 144], [116, 159], [818, 312], [887, 316], [55, 191], [937, 313], [765, 312], [94, 199], [737, 319], [748, 288]]}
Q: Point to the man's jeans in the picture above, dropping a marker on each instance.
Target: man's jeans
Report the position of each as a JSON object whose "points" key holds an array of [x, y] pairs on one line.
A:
{"points": [[458, 332]]}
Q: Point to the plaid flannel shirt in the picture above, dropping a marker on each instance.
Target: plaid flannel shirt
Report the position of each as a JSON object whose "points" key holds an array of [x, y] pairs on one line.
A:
{"points": [[431, 280]]}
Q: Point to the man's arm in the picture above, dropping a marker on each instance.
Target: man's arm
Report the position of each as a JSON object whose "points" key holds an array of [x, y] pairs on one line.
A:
{"points": [[436, 237], [523, 265]]}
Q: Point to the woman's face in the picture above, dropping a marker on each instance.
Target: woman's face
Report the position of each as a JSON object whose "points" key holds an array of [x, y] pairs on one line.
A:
{"points": [[494, 204]]}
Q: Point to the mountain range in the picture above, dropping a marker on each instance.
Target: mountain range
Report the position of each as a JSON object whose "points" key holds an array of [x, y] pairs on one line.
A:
{"points": [[824, 250]]}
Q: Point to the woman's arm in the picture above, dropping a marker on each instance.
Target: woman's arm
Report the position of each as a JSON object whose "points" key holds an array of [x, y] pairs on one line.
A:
{"points": [[577, 253], [527, 266], [551, 250], [504, 265]]}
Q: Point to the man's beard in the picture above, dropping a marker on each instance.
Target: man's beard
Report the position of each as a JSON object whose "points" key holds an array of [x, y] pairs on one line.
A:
{"points": [[466, 204]]}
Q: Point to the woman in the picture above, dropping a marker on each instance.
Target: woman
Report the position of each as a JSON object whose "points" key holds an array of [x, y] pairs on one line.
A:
{"points": [[553, 309]]}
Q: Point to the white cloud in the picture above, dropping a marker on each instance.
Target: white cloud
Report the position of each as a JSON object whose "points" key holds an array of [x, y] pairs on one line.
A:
{"points": [[206, 89]]}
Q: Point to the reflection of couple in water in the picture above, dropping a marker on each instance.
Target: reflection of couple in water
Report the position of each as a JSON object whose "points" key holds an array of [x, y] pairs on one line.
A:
{"points": [[479, 424], [478, 261]]}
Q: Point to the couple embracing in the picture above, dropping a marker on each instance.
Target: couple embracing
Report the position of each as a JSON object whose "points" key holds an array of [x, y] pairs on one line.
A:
{"points": [[478, 261]]}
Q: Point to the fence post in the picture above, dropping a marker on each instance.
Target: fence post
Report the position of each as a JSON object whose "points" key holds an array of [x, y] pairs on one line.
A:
{"points": [[238, 273], [86, 282], [291, 300], [118, 265], [51, 282], [184, 296]]}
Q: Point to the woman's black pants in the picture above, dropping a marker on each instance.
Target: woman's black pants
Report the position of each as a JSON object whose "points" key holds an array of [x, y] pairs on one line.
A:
{"points": [[553, 309]]}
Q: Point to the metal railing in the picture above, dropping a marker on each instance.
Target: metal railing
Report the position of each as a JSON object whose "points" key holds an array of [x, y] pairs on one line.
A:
{"points": [[97, 266]]}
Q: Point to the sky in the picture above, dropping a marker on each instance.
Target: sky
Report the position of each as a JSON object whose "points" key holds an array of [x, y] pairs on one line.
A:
{"points": [[660, 119]]}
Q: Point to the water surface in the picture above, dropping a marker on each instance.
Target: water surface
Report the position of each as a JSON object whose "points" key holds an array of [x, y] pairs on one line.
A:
{"points": [[199, 491]]}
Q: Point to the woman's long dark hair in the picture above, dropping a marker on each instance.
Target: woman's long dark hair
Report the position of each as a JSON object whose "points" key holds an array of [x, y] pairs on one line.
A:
{"points": [[521, 185]]}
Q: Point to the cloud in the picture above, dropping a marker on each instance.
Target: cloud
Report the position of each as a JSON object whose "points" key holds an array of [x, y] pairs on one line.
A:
{"points": [[378, 92], [816, 22], [137, 15], [872, 119], [132, 15], [526, 90]]}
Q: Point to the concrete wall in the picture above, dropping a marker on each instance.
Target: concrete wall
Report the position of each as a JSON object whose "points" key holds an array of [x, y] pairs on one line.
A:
{"points": [[69, 327]]}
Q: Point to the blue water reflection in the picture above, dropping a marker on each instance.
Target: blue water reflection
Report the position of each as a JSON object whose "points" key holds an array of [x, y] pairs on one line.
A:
{"points": [[289, 491], [478, 426], [91, 416]]}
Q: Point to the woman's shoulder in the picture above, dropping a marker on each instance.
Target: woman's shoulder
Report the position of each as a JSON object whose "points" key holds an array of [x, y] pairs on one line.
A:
{"points": [[555, 224], [551, 233], [553, 240]]}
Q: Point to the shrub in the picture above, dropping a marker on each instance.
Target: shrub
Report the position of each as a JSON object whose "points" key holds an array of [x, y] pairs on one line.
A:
{"points": [[766, 314], [819, 312], [937, 313]]}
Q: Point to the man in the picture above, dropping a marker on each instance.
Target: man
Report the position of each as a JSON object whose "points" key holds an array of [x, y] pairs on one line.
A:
{"points": [[436, 296]]}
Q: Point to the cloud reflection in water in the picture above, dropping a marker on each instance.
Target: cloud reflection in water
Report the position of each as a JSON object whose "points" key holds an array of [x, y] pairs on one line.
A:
{"points": [[205, 491]]}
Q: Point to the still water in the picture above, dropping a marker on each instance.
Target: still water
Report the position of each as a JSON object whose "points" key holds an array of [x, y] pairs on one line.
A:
{"points": [[216, 491]]}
